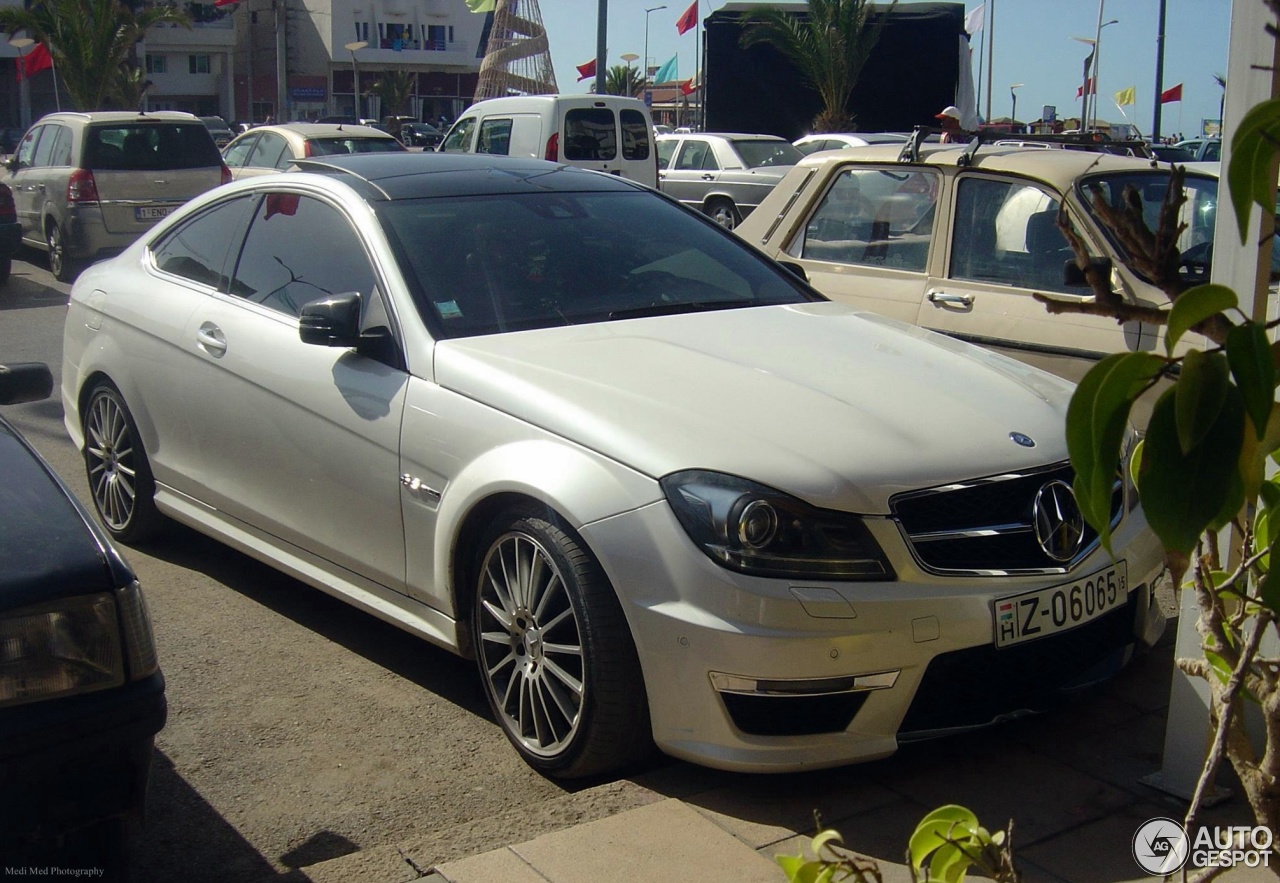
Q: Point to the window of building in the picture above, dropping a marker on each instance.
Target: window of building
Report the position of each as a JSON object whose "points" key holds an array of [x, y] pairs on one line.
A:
{"points": [[198, 64], [157, 64]]}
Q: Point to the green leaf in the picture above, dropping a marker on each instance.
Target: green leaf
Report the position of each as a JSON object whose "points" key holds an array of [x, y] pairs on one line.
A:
{"points": [[1219, 665], [1269, 591], [1249, 173], [1193, 306], [790, 864], [1249, 354], [823, 838], [936, 828], [1183, 493], [948, 864], [1097, 418], [1199, 395]]}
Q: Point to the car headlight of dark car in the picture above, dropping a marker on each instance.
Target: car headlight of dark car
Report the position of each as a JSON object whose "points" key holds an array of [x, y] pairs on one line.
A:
{"points": [[755, 529], [75, 645]]}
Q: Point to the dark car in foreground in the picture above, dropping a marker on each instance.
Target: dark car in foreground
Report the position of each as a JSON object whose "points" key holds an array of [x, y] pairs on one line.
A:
{"points": [[10, 232], [81, 692]]}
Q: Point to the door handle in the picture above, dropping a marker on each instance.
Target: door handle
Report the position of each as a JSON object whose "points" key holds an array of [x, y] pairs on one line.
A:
{"points": [[951, 300], [708, 177], [211, 340]]}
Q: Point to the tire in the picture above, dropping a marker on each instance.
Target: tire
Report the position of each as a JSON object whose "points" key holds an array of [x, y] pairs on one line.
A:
{"points": [[119, 473], [724, 213], [60, 264], [555, 655]]}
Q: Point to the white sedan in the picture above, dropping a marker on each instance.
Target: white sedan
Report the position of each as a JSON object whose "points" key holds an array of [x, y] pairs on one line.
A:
{"points": [[657, 487]]}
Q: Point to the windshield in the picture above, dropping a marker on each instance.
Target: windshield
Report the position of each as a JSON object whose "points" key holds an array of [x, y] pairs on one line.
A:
{"points": [[757, 154], [334, 146], [487, 264], [1198, 214]]}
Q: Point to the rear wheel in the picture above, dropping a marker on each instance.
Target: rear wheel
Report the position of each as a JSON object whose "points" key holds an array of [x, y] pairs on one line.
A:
{"points": [[724, 213], [60, 264], [559, 667], [119, 474]]}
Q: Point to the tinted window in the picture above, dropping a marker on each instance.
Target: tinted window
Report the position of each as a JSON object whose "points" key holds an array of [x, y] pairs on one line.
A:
{"points": [[239, 151], [280, 265], [499, 263], [756, 154], [589, 134], [695, 156], [666, 149], [200, 249], [44, 150], [495, 137], [334, 146], [61, 153], [459, 137], [27, 148], [1006, 232], [874, 217], [635, 134], [270, 152], [151, 146]]}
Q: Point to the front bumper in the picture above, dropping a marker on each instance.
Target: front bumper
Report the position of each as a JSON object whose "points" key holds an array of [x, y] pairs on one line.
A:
{"points": [[763, 675], [67, 764]]}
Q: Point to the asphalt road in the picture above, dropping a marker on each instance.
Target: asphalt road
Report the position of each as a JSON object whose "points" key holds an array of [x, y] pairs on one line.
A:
{"points": [[300, 729]]}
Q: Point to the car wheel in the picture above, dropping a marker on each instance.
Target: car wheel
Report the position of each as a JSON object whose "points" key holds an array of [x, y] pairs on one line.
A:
{"points": [[555, 654], [60, 265], [119, 474], [724, 213]]}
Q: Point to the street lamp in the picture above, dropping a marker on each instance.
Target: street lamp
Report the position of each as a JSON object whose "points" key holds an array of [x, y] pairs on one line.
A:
{"points": [[24, 91], [355, 72], [646, 37], [629, 57], [1013, 114], [1097, 58]]}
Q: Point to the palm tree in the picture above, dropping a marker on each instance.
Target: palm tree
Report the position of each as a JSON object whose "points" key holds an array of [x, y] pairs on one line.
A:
{"points": [[87, 38], [394, 89], [623, 79], [828, 47]]}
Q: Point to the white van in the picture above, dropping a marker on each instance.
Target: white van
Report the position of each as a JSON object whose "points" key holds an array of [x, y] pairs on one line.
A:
{"points": [[606, 133]]}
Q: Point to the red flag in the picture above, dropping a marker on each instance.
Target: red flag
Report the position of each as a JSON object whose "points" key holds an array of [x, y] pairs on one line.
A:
{"points": [[1174, 94], [687, 87], [689, 20], [586, 70], [225, 2], [38, 59], [1093, 89]]}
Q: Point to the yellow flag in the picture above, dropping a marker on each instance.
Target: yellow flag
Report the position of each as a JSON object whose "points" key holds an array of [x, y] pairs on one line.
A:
{"points": [[1127, 96], [480, 5]]}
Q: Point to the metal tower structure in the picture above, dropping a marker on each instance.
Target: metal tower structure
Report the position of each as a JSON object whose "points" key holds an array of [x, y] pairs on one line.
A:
{"points": [[518, 60]]}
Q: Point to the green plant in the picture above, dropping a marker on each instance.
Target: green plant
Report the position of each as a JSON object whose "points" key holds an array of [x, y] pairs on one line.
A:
{"points": [[394, 90], [623, 79], [828, 46]]}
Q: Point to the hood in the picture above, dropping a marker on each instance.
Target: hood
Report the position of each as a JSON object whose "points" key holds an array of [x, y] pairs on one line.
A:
{"points": [[840, 408]]}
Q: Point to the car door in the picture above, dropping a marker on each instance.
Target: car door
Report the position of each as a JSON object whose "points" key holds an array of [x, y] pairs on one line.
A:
{"points": [[869, 239], [692, 172], [1005, 248], [297, 441], [26, 182], [270, 154]]}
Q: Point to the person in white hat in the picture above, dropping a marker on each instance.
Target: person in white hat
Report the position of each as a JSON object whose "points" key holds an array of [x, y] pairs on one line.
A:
{"points": [[949, 120]]}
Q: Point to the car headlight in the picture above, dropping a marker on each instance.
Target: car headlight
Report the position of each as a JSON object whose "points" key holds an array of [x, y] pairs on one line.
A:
{"points": [[754, 529], [61, 648]]}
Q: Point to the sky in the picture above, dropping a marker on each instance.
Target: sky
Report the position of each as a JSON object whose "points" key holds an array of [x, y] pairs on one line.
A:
{"points": [[1025, 41]]}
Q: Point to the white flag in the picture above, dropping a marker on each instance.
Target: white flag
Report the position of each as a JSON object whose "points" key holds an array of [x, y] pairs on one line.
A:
{"points": [[973, 21]]}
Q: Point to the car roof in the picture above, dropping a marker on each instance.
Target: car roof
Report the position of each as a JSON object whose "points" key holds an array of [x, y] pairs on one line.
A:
{"points": [[1058, 167], [322, 130], [728, 136], [122, 116], [412, 175]]}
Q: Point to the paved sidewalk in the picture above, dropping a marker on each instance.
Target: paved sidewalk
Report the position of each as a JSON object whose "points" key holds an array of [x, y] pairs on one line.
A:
{"points": [[1069, 780]]}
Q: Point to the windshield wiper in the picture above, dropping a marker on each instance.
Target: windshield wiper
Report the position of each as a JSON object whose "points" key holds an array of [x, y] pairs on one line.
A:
{"points": [[672, 309]]}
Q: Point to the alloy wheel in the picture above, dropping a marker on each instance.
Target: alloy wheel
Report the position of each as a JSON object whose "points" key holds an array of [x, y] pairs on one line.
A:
{"points": [[111, 461]]}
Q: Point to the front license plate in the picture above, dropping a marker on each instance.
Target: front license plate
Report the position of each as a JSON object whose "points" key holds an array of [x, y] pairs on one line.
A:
{"points": [[1033, 615], [151, 212]]}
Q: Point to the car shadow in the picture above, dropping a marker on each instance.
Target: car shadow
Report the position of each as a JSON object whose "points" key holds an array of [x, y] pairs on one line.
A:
{"points": [[23, 292]]}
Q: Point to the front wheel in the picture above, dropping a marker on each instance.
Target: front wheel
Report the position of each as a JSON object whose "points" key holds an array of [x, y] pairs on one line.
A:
{"points": [[724, 213], [119, 474], [559, 667]]}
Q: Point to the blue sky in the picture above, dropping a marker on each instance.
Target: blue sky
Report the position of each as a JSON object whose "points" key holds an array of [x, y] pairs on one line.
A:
{"points": [[1031, 40]]}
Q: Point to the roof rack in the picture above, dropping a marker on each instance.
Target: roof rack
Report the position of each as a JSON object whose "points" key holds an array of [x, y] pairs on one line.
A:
{"points": [[1097, 142]]}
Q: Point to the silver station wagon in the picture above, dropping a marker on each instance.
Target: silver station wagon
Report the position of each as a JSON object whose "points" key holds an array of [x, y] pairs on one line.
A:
{"points": [[724, 175]]}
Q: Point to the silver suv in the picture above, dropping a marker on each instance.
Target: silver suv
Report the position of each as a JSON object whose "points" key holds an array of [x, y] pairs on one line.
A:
{"points": [[86, 185]]}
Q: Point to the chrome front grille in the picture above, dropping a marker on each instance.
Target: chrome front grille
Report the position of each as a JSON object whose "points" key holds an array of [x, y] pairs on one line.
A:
{"points": [[987, 526]]}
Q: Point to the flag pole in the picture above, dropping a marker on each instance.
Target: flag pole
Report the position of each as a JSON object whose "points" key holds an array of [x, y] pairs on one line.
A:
{"points": [[700, 115]]}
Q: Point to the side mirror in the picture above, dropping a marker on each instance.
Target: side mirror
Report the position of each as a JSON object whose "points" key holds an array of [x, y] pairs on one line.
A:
{"points": [[1072, 275], [331, 321], [25, 382], [13, 163]]}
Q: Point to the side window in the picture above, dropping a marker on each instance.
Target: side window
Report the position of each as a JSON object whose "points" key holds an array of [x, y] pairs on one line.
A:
{"points": [[44, 150], [874, 217], [666, 149], [459, 138], [1006, 232], [709, 161], [495, 137], [635, 134], [237, 154], [200, 249], [693, 156], [280, 267], [61, 153], [268, 152], [27, 148], [589, 134]]}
